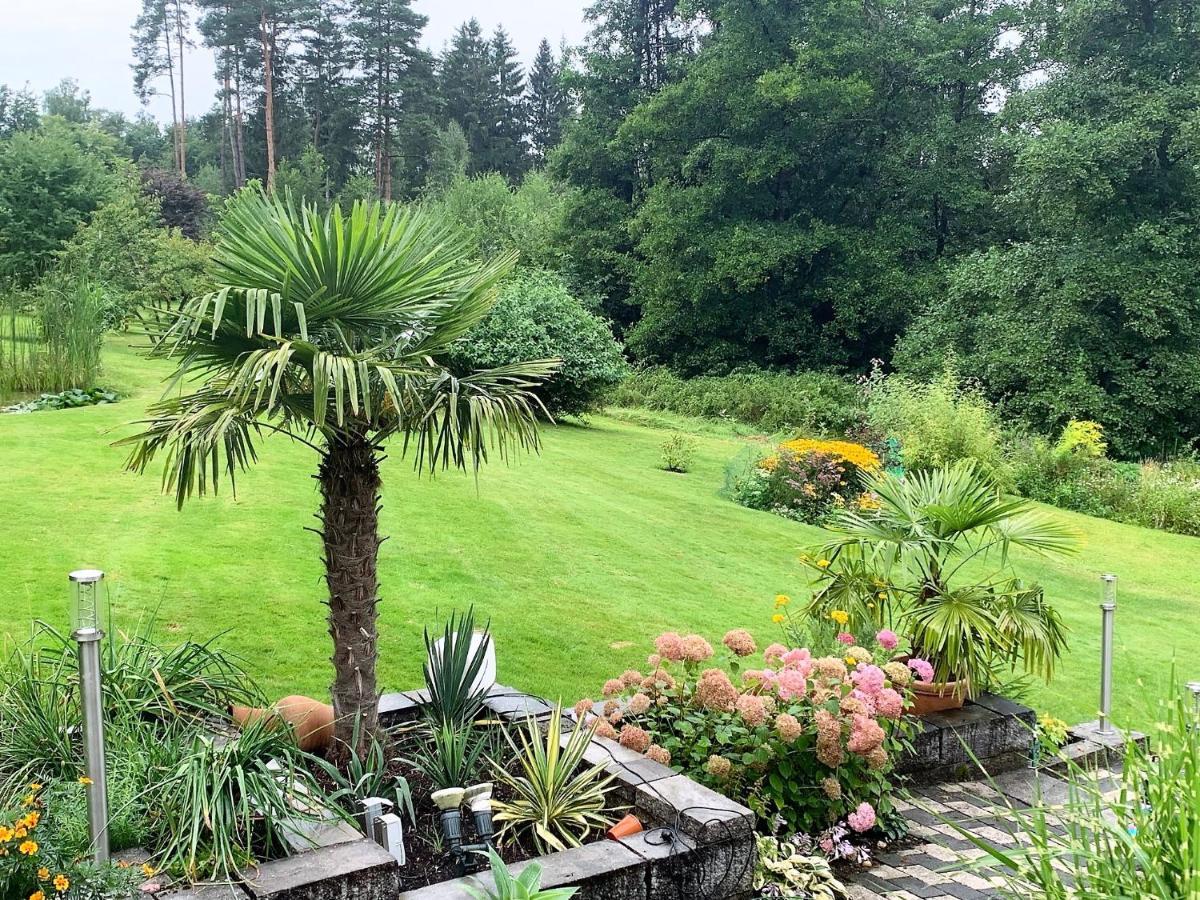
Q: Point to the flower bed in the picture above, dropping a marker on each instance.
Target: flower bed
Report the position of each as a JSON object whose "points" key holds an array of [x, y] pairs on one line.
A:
{"points": [[807, 479], [808, 740]]}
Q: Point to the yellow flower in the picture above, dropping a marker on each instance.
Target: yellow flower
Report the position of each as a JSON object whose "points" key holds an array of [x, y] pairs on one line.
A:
{"points": [[31, 820], [61, 883], [842, 451], [43, 874], [21, 831], [35, 786], [27, 801], [823, 563], [777, 618], [840, 616], [84, 780], [147, 870], [6, 834], [851, 661], [122, 864], [29, 848], [37, 895], [782, 600]]}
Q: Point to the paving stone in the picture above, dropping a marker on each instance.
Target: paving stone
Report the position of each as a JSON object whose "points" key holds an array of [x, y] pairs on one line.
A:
{"points": [[396, 707], [514, 706], [701, 813], [356, 871]]}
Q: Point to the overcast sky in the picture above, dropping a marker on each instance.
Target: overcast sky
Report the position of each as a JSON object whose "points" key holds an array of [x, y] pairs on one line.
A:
{"points": [[43, 41]]}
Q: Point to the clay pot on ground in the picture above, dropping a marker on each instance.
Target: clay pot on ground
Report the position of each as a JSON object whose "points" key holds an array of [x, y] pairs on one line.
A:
{"points": [[310, 721], [630, 825], [937, 696]]}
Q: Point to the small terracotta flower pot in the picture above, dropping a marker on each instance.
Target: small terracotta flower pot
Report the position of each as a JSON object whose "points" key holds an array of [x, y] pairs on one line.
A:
{"points": [[627, 827], [311, 721], [937, 696]]}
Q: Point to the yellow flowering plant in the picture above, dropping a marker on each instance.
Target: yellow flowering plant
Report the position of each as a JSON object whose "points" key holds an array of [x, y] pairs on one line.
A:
{"points": [[34, 867]]}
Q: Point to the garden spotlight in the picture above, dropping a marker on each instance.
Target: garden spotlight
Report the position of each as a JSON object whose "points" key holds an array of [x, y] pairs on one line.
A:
{"points": [[85, 628], [448, 800], [479, 800]]}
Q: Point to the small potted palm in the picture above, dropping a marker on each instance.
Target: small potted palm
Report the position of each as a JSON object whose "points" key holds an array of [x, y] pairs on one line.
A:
{"points": [[932, 561]]}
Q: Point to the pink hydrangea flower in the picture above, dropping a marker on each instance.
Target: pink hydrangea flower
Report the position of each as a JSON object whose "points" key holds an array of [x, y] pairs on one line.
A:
{"points": [[739, 642], [660, 755], [752, 709], [789, 727], [923, 669], [613, 686], [774, 654], [638, 704], [869, 679], [846, 638], [696, 648], [865, 735], [791, 683], [635, 738], [583, 707], [862, 819], [796, 657], [889, 704], [631, 677], [888, 639], [669, 646]]}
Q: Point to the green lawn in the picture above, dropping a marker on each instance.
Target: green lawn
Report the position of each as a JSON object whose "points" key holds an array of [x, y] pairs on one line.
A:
{"points": [[579, 556]]}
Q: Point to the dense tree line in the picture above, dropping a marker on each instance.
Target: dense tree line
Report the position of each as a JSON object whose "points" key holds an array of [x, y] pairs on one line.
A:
{"points": [[350, 80]]}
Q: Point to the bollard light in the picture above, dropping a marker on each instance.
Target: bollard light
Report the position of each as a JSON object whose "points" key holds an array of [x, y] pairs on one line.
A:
{"points": [[85, 628], [1194, 687], [1108, 609], [479, 800]]}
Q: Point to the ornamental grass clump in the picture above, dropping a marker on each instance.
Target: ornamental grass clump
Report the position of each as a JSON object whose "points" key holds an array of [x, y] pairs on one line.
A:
{"points": [[808, 741]]}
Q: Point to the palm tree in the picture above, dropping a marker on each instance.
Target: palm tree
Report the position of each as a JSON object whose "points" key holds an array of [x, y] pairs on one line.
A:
{"points": [[328, 330], [932, 560]]}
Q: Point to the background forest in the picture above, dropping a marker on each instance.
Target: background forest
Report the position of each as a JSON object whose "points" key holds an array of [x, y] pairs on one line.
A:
{"points": [[1010, 189]]}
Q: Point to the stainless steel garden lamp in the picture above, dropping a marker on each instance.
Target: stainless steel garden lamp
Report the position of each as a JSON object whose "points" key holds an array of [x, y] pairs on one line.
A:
{"points": [[1108, 609], [85, 628]]}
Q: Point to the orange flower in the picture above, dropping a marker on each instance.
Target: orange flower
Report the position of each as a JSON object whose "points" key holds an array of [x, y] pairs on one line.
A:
{"points": [[37, 895], [43, 874], [84, 780], [147, 870], [61, 883], [29, 848]]}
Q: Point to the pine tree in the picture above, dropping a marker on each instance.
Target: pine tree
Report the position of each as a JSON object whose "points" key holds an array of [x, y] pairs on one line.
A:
{"points": [[18, 110], [324, 72], [506, 151], [396, 85], [465, 85], [230, 29], [547, 105], [159, 40]]}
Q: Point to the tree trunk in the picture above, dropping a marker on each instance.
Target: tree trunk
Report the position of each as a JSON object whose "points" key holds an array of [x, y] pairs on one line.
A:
{"points": [[182, 99], [349, 476], [268, 54]]}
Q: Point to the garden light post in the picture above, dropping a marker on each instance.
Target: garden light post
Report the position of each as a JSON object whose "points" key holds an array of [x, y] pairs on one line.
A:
{"points": [[1108, 609], [85, 624], [1194, 687]]}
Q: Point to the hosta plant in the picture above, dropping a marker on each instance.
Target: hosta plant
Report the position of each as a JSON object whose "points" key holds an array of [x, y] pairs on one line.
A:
{"points": [[783, 871]]}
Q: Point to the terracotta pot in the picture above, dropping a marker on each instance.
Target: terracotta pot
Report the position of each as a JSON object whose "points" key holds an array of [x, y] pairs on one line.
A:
{"points": [[628, 826], [937, 696], [311, 721]]}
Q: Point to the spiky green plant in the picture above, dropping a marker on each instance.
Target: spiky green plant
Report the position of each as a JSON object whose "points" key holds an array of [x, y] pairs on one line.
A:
{"points": [[526, 886], [933, 560], [555, 801], [450, 672], [450, 756], [330, 330]]}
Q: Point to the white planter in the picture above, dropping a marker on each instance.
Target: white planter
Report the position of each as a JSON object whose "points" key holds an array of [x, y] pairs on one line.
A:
{"points": [[487, 672]]}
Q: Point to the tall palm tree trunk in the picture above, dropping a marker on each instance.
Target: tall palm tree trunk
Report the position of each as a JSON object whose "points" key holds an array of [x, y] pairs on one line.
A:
{"points": [[349, 476]]}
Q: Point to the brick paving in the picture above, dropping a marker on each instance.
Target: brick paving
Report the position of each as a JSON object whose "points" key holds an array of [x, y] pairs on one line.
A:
{"points": [[944, 864]]}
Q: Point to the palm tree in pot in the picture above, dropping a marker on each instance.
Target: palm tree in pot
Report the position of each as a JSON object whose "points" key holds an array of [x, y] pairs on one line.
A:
{"points": [[330, 329], [932, 561]]}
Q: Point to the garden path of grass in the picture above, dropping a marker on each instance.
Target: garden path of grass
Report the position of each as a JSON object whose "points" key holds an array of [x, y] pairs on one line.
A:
{"points": [[579, 557]]}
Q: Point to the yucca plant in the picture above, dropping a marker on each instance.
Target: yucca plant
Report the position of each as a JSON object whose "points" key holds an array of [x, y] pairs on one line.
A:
{"points": [[451, 756], [451, 668], [555, 802], [526, 886], [329, 329], [933, 560]]}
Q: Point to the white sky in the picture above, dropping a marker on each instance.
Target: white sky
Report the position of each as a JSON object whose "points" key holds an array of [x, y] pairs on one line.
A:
{"points": [[43, 41]]}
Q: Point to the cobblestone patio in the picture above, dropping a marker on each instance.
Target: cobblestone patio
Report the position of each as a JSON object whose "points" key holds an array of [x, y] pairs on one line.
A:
{"points": [[943, 865]]}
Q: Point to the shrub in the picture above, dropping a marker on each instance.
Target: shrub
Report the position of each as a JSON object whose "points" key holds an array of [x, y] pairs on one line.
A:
{"points": [[536, 317], [806, 479], [1166, 496], [678, 452], [808, 739], [938, 423], [808, 402], [1073, 473], [180, 204]]}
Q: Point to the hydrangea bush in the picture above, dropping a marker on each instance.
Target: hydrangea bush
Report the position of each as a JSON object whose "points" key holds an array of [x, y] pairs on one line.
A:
{"points": [[807, 739]]}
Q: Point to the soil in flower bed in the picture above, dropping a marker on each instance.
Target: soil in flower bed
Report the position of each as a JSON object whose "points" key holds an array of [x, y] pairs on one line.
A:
{"points": [[428, 859]]}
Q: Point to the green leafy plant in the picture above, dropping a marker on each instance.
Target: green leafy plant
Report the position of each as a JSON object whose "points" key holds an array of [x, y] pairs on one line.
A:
{"points": [[226, 798], [554, 803], [367, 776], [451, 670], [526, 886], [781, 870], [333, 330], [1138, 841], [678, 452], [68, 399], [1050, 736], [932, 561], [451, 756]]}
